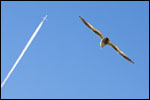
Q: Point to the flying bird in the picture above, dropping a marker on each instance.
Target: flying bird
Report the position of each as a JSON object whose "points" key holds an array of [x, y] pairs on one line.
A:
{"points": [[105, 40]]}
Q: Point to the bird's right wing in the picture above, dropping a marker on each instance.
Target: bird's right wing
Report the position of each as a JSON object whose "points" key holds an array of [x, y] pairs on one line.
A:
{"points": [[120, 52], [92, 28]]}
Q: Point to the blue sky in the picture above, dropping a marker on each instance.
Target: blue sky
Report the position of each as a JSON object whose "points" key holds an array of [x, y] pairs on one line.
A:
{"points": [[65, 59]]}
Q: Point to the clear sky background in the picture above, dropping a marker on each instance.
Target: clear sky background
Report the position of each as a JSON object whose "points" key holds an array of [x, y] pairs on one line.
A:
{"points": [[65, 59]]}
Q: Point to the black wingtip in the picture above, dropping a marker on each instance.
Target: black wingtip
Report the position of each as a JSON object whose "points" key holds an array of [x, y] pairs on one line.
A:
{"points": [[132, 62]]}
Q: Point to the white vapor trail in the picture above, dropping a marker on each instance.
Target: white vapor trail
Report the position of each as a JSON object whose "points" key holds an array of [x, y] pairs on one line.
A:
{"points": [[24, 50]]}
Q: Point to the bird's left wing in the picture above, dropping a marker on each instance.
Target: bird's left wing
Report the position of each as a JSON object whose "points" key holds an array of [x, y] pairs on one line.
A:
{"points": [[120, 52], [92, 28]]}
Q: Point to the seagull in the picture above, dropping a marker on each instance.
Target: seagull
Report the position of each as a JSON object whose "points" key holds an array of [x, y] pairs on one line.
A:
{"points": [[105, 40]]}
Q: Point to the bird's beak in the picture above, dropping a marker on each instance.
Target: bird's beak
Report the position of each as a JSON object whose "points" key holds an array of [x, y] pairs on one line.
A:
{"points": [[101, 46]]}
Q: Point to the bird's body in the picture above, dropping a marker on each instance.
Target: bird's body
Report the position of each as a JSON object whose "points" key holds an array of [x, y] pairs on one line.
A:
{"points": [[105, 40]]}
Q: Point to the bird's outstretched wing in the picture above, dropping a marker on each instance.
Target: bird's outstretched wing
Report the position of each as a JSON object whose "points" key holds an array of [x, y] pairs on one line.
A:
{"points": [[92, 28], [120, 52]]}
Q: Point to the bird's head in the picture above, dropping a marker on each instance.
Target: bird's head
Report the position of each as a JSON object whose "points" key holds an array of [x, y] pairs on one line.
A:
{"points": [[104, 42]]}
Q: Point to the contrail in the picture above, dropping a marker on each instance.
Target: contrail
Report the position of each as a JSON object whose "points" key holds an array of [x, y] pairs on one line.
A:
{"points": [[24, 50]]}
